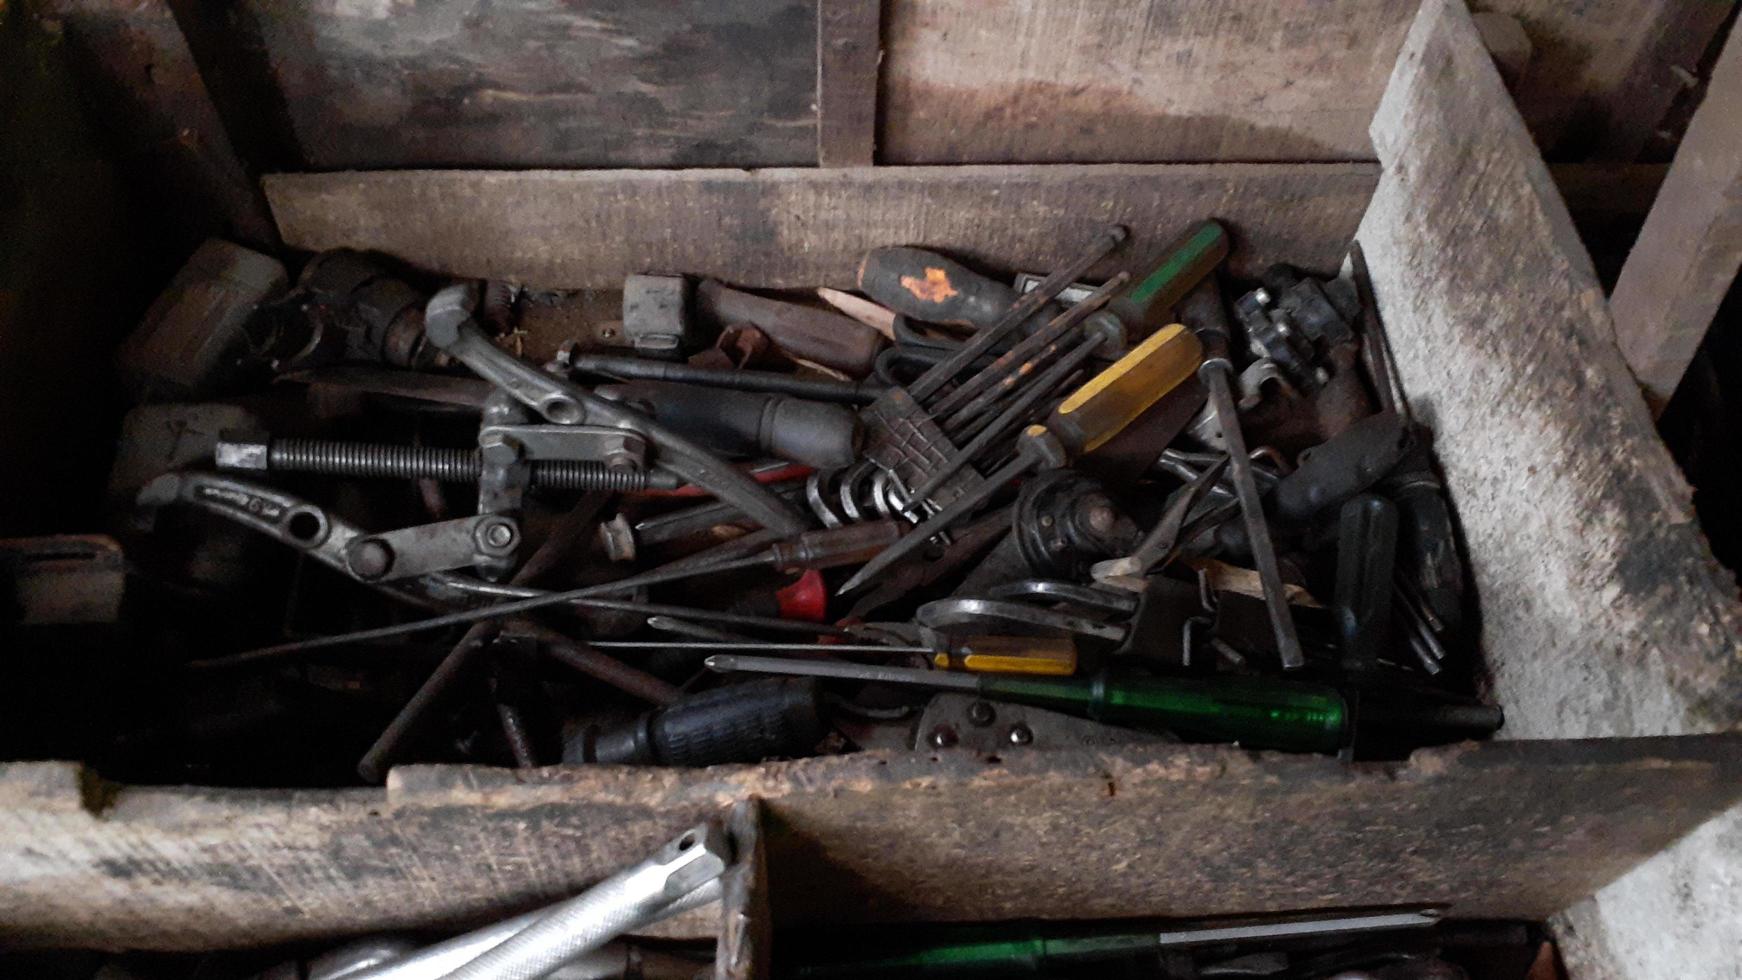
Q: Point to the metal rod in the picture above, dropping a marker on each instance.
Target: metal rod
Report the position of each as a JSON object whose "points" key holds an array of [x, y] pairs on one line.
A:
{"points": [[727, 663], [754, 645], [517, 607], [1216, 377], [1026, 306], [1038, 389], [955, 510], [994, 379], [818, 389]]}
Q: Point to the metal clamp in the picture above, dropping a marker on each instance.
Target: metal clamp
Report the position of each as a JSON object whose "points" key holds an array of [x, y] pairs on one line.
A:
{"points": [[412, 551], [619, 449], [449, 325]]}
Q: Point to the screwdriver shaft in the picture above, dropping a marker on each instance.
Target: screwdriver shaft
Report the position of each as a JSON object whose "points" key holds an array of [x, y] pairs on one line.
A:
{"points": [[725, 663]]}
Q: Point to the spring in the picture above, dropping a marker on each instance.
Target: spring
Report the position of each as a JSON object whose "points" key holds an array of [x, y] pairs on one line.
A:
{"points": [[362, 459], [861, 492]]}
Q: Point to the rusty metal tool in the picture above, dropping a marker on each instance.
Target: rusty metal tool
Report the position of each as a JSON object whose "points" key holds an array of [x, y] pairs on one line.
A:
{"points": [[827, 548], [1089, 417], [1203, 310], [449, 325]]}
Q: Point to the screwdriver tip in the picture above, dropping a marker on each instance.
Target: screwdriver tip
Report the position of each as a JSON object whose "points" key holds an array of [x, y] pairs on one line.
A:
{"points": [[720, 663], [849, 585]]}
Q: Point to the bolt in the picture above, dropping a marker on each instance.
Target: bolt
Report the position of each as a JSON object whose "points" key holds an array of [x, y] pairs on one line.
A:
{"points": [[1020, 735], [943, 737], [369, 558], [980, 714], [496, 537], [496, 449], [1101, 518]]}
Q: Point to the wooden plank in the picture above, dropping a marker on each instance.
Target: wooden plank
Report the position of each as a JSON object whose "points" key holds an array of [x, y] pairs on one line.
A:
{"points": [[1688, 252], [542, 83], [1603, 612], [1502, 829], [804, 228], [140, 81], [1056, 81], [1676, 38], [747, 924], [849, 46]]}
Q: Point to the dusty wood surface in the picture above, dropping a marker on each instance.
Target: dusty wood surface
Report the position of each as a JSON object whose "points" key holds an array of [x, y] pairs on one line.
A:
{"points": [[1503, 829], [803, 228], [1044, 81], [1687, 253], [1603, 611], [849, 45], [140, 82], [746, 927], [538, 83]]}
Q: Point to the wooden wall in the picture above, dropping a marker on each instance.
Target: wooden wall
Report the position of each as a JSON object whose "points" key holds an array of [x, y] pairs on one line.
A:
{"points": [[338, 84]]}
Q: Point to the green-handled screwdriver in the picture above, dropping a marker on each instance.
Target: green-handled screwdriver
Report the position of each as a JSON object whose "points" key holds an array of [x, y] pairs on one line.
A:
{"points": [[1256, 712]]}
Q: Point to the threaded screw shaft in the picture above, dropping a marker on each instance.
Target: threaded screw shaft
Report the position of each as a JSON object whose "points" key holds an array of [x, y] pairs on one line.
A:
{"points": [[366, 459]]}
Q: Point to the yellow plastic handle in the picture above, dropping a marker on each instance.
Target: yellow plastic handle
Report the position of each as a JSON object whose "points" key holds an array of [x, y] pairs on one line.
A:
{"points": [[1111, 400]]}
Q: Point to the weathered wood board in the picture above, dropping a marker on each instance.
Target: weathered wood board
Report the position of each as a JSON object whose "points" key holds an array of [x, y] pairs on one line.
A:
{"points": [[849, 38], [1054, 81], [1504, 829], [141, 85], [1603, 612], [542, 83], [1687, 254], [809, 227]]}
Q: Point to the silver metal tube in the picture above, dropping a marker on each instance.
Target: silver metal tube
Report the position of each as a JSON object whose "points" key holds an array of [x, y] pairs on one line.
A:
{"points": [[441, 959], [628, 900]]}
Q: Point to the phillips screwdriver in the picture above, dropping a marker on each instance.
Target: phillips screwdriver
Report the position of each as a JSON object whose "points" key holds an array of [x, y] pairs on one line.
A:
{"points": [[1256, 712], [1038, 655], [1093, 414]]}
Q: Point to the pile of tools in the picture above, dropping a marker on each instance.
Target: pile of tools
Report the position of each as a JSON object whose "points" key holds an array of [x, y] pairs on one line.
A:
{"points": [[728, 527]]}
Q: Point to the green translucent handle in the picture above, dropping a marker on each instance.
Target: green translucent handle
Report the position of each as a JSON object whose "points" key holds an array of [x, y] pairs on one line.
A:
{"points": [[1256, 712]]}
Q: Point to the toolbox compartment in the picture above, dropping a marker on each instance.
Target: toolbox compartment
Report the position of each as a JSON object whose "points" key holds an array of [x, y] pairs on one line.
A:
{"points": [[1610, 633]]}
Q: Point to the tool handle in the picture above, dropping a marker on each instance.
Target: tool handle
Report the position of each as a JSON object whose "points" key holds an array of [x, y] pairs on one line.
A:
{"points": [[1112, 399], [820, 336], [1256, 712], [926, 286], [836, 546], [738, 723], [1148, 302], [1366, 556]]}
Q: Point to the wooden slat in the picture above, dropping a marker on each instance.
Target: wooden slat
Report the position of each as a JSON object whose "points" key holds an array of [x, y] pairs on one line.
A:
{"points": [[1603, 612], [849, 45], [532, 83], [141, 83], [808, 227], [1054, 81], [1687, 254], [1506, 829]]}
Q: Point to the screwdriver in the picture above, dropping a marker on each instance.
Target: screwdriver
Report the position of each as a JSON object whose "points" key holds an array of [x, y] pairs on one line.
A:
{"points": [[1096, 412], [1256, 712], [827, 548], [1037, 655]]}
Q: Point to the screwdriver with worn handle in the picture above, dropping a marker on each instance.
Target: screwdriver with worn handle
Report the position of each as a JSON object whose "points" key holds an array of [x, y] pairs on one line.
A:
{"points": [[1257, 712]]}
